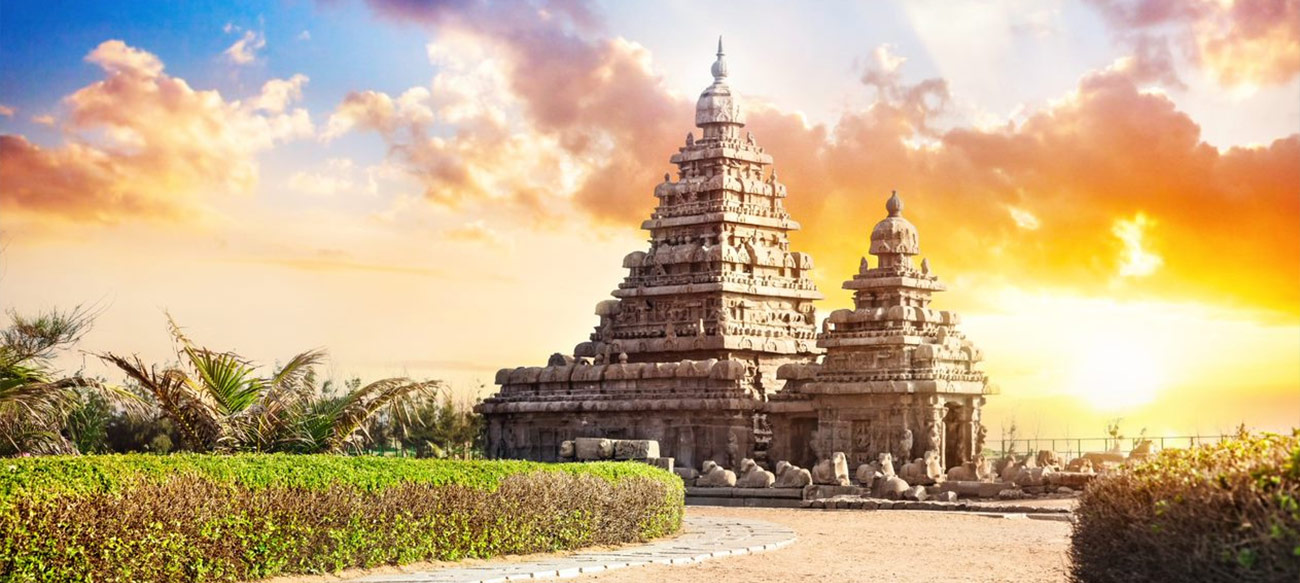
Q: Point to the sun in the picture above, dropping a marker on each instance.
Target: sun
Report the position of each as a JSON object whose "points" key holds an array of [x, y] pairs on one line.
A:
{"points": [[1116, 374]]}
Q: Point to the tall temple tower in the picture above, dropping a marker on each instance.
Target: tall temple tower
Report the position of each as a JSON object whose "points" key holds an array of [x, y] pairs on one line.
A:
{"points": [[719, 280], [898, 377], [688, 350]]}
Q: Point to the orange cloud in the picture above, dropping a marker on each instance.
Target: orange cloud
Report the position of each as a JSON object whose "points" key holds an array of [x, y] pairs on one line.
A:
{"points": [[142, 143], [1240, 42], [1033, 204]]}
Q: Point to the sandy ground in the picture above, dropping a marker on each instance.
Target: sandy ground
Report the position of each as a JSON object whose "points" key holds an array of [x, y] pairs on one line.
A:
{"points": [[898, 546], [851, 545]]}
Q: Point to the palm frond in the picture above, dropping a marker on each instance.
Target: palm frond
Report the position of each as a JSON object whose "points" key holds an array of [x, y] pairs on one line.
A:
{"points": [[198, 423], [397, 394]]}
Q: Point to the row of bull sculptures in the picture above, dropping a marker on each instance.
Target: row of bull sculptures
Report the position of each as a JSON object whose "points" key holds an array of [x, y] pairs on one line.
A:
{"points": [[880, 477]]}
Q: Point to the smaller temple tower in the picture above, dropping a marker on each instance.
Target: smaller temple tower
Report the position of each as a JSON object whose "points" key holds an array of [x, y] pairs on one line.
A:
{"points": [[898, 377]]}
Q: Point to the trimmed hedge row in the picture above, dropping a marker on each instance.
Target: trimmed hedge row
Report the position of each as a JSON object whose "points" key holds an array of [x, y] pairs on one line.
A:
{"points": [[1226, 512], [232, 518]]}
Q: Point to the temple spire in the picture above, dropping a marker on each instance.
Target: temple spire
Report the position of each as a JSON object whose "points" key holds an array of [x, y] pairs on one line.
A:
{"points": [[720, 65]]}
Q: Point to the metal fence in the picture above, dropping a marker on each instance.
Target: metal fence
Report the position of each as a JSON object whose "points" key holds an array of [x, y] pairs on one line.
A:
{"points": [[1073, 447]]}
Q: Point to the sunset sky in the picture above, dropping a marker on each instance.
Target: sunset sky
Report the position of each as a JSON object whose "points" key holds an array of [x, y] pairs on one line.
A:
{"points": [[1110, 189]]}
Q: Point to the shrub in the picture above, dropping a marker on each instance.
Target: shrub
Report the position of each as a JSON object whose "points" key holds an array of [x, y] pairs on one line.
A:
{"points": [[1225, 512], [228, 518]]}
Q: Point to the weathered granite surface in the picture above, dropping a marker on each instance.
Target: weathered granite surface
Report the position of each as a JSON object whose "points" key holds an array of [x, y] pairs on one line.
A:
{"points": [[688, 349]]}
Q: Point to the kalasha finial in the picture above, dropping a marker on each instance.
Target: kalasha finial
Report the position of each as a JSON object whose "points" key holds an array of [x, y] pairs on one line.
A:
{"points": [[895, 205], [720, 65]]}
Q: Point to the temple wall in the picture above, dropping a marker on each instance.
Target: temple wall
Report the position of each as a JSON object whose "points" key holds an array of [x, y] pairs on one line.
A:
{"points": [[689, 436]]}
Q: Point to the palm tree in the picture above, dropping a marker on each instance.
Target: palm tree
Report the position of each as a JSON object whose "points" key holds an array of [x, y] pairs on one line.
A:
{"points": [[33, 402], [217, 402]]}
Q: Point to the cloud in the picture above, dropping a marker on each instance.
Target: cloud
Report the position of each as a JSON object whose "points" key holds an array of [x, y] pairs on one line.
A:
{"points": [[1108, 151], [141, 143], [334, 178], [1135, 259], [244, 51], [477, 232], [45, 120], [304, 35], [1244, 42], [6, 111]]}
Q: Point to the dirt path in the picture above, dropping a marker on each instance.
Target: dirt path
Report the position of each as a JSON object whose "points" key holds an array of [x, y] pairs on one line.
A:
{"points": [[841, 545], [898, 546]]}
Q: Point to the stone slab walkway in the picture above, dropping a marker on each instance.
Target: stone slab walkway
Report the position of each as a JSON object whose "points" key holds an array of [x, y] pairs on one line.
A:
{"points": [[705, 538]]}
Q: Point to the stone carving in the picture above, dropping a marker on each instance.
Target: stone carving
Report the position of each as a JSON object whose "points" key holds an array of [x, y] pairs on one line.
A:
{"points": [[888, 485], [977, 470], [714, 476], [791, 476], [752, 476], [635, 449], [567, 451], [1028, 476], [833, 471], [1047, 459], [1080, 464], [593, 448], [925, 471]]}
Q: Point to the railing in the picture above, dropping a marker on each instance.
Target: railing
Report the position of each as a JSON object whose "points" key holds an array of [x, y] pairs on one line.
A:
{"points": [[1073, 447]]}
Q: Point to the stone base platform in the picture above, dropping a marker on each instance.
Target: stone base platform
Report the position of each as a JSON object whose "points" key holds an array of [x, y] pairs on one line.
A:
{"points": [[745, 497]]}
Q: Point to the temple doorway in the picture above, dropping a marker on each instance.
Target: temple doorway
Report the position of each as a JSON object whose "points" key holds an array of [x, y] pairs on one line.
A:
{"points": [[952, 454]]}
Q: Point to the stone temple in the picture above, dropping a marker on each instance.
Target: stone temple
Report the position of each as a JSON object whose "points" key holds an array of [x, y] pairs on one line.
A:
{"points": [[713, 331]]}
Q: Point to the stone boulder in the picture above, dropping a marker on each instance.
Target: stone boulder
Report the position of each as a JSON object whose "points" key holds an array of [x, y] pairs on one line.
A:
{"points": [[1073, 480], [714, 476], [891, 487], [635, 449], [915, 493], [866, 475], [687, 475], [752, 476], [1011, 494], [948, 496], [832, 472], [593, 448], [791, 476]]}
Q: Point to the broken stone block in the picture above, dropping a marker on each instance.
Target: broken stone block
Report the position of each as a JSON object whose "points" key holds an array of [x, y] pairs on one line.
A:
{"points": [[1010, 494], [663, 463], [635, 449], [948, 496], [566, 451], [687, 474], [891, 487], [593, 448], [915, 493]]}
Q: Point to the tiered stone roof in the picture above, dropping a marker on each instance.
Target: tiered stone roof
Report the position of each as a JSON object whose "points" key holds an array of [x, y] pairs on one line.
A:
{"points": [[715, 305], [719, 277], [892, 342]]}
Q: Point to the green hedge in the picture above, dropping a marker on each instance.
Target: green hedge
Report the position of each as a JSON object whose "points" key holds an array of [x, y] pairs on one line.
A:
{"points": [[1226, 512], [232, 518]]}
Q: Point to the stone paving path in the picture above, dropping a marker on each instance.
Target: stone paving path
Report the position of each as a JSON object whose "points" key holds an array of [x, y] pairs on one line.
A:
{"points": [[704, 538]]}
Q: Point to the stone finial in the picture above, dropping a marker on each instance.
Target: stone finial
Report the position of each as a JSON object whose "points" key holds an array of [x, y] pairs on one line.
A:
{"points": [[925, 266], [720, 65], [690, 139], [667, 177], [894, 205], [622, 358]]}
